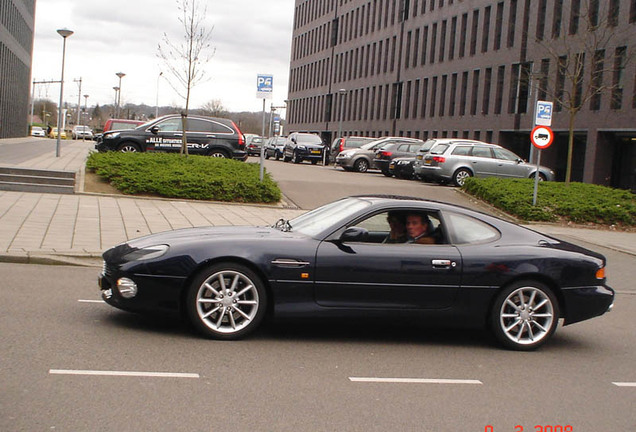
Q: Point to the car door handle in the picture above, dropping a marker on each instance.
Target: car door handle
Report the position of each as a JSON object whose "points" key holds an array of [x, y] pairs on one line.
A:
{"points": [[178, 134], [210, 136], [443, 263]]}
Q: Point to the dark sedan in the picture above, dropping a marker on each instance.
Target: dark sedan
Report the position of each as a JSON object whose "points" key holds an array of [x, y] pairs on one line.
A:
{"points": [[304, 146], [337, 261]]}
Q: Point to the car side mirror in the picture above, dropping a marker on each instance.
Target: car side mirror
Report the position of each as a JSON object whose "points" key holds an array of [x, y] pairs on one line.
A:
{"points": [[354, 234], [154, 130]]}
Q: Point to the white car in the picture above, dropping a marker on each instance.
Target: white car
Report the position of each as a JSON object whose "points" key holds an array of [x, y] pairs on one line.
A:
{"points": [[80, 132], [37, 131]]}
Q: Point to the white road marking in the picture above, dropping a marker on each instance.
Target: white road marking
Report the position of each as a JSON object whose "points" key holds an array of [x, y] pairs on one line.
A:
{"points": [[123, 373], [625, 384], [413, 380], [91, 301]]}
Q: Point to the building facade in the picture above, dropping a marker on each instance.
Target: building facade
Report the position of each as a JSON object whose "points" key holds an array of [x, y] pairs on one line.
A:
{"points": [[473, 69], [17, 18]]}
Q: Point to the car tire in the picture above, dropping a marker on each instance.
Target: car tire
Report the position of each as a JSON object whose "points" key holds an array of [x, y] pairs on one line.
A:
{"points": [[277, 156], [361, 165], [524, 315], [541, 177], [226, 301], [460, 176], [387, 173], [295, 159], [314, 162], [266, 155], [128, 147], [217, 153]]}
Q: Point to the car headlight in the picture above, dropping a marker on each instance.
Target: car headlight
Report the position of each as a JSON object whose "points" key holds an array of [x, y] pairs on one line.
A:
{"points": [[146, 253], [110, 136], [345, 155], [301, 147]]}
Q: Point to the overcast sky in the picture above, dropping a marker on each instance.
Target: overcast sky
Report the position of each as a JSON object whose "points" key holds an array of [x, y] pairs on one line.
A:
{"points": [[250, 37]]}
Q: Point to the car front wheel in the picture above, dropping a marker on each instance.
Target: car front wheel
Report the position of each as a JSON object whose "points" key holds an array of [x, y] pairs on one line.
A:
{"points": [[128, 148], [226, 301], [460, 176], [524, 315], [361, 165], [295, 158]]}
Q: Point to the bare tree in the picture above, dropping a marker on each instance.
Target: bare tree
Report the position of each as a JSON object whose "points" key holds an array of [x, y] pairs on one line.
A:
{"points": [[588, 56], [213, 108], [186, 60]]}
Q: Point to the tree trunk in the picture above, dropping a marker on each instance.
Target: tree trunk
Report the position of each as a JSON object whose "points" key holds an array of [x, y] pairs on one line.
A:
{"points": [[184, 137]]}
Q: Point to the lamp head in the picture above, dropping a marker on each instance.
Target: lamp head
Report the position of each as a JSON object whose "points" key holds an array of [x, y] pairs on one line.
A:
{"points": [[65, 33]]}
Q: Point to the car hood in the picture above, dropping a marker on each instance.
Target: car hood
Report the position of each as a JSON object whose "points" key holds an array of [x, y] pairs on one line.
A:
{"points": [[192, 236]]}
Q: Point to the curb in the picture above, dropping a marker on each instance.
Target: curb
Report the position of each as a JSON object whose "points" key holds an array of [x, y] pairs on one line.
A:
{"points": [[48, 259]]}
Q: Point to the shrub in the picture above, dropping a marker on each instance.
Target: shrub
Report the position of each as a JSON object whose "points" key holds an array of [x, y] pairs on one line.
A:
{"points": [[193, 177], [578, 202]]}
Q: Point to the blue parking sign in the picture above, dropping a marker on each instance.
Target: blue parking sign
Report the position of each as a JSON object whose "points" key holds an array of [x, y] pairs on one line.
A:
{"points": [[264, 86], [543, 114]]}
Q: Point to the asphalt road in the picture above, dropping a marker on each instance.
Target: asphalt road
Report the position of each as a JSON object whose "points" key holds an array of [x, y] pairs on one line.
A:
{"points": [[56, 335]]}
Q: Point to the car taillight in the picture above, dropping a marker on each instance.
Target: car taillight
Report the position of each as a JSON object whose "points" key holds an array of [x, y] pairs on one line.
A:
{"points": [[341, 144], [384, 153], [241, 138], [439, 159]]}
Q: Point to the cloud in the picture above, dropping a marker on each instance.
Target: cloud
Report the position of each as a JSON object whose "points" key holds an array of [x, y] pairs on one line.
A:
{"points": [[248, 37]]}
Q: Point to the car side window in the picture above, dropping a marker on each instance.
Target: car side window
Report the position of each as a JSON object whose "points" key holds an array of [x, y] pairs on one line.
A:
{"points": [[170, 125], [461, 151], [483, 152], [389, 227], [467, 230], [196, 125], [505, 154]]}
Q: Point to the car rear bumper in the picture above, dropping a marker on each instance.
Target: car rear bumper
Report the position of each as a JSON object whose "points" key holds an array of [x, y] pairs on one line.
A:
{"points": [[586, 302]]}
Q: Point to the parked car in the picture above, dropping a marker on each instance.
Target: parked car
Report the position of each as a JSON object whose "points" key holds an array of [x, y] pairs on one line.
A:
{"points": [[53, 133], [333, 263], [404, 167], [275, 147], [211, 136], [456, 160], [419, 159], [121, 124], [345, 143], [82, 132], [302, 146], [254, 145], [361, 159], [385, 154], [37, 131]]}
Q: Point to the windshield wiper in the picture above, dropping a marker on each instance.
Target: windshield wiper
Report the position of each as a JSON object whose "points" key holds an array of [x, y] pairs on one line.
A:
{"points": [[283, 225]]}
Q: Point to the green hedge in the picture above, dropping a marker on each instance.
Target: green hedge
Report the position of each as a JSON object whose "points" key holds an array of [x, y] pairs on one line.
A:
{"points": [[193, 177], [578, 202]]}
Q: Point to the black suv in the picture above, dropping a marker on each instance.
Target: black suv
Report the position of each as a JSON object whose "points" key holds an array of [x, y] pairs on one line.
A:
{"points": [[207, 136], [303, 146]]}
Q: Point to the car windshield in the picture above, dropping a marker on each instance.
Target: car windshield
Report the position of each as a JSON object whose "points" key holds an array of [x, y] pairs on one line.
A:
{"points": [[369, 146], [310, 139], [318, 220]]}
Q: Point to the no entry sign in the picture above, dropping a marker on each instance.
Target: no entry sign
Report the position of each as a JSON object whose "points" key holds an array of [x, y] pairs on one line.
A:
{"points": [[541, 137]]}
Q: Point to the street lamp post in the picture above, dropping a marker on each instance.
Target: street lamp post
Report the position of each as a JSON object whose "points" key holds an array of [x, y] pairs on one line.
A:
{"points": [[157, 101], [116, 94], [120, 75], [86, 113], [64, 33]]}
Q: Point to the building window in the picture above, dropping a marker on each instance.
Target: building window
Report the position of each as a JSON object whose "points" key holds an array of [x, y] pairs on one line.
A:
{"points": [[556, 18], [501, 71], [512, 23], [462, 36], [485, 107], [433, 44], [407, 100], [575, 11], [442, 99], [453, 95], [442, 42], [433, 97], [463, 93], [541, 19], [499, 25], [416, 97], [486, 30], [578, 79], [593, 12], [424, 97], [514, 87], [612, 17], [617, 83], [424, 44], [543, 79], [473, 33], [416, 47], [451, 45], [407, 54], [597, 79], [560, 83], [632, 12], [473, 102]]}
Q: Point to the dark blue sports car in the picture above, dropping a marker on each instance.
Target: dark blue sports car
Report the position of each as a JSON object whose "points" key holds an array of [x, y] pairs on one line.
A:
{"points": [[346, 260]]}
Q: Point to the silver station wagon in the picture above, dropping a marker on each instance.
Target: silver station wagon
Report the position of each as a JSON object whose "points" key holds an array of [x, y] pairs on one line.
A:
{"points": [[456, 160]]}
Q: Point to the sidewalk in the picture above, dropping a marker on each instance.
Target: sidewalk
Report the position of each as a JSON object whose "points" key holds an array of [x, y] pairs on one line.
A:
{"points": [[76, 229]]}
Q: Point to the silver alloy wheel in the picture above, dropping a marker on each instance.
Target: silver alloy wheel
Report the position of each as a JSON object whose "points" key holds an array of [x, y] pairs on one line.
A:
{"points": [[361, 165], [227, 302], [128, 148], [461, 176], [527, 316], [218, 154]]}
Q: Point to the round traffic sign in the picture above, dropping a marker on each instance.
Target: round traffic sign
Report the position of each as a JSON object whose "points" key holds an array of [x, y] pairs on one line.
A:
{"points": [[541, 136]]}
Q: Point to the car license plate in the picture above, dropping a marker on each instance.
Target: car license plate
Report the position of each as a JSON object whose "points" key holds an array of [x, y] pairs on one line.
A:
{"points": [[315, 152], [391, 166], [427, 162]]}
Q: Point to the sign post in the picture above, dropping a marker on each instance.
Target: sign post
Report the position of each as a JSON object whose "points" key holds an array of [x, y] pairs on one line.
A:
{"points": [[541, 137], [264, 90]]}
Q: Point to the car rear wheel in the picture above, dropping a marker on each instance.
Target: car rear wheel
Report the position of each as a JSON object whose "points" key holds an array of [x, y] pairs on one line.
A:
{"points": [[361, 165], [295, 158], [460, 176], [219, 154], [525, 315], [128, 147], [226, 301], [541, 176], [387, 173], [277, 157]]}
